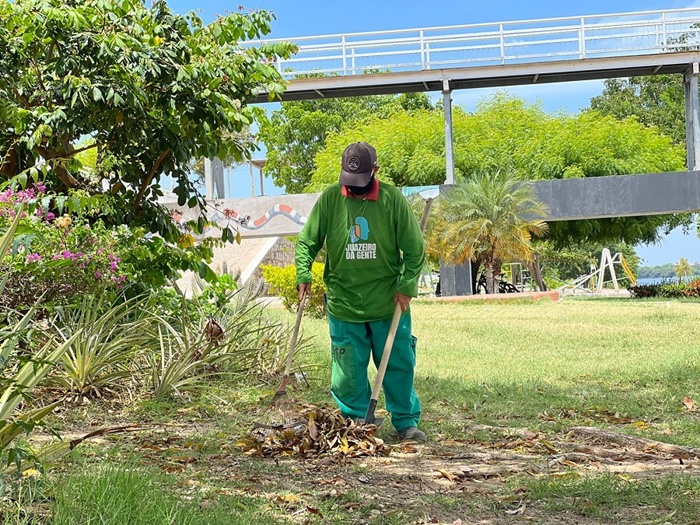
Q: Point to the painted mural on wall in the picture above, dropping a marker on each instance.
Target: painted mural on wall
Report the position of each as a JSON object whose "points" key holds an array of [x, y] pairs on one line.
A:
{"points": [[274, 216]]}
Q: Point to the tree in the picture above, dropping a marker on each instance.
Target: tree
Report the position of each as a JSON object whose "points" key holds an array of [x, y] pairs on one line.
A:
{"points": [[490, 218], [654, 101], [150, 89], [507, 134], [683, 270], [298, 130]]}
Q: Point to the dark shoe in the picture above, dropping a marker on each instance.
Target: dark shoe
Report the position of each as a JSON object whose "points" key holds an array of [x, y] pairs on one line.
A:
{"points": [[412, 434]]}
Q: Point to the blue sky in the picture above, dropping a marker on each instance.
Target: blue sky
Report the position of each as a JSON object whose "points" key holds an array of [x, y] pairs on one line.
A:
{"points": [[317, 17]]}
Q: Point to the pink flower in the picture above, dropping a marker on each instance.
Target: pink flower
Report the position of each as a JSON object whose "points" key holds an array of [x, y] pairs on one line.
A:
{"points": [[33, 257], [98, 275]]}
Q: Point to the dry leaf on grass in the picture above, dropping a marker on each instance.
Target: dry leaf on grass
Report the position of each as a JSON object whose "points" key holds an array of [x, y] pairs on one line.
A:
{"points": [[446, 474], [688, 402]]}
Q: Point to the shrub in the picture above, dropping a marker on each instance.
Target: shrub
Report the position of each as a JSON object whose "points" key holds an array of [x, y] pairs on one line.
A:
{"points": [[19, 375], [104, 337], [190, 351], [63, 250], [692, 289], [282, 281], [644, 290], [672, 290]]}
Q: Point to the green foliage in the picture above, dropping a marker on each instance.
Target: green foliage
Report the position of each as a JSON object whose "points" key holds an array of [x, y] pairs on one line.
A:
{"points": [[298, 130], [219, 293], [644, 290], [75, 254], [193, 346], [20, 374], [505, 133], [61, 260], [104, 338], [152, 89], [149, 261], [655, 101], [667, 290], [410, 149], [282, 281]]}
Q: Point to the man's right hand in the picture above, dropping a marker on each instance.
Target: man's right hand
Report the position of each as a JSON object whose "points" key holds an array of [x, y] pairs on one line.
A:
{"points": [[304, 290]]}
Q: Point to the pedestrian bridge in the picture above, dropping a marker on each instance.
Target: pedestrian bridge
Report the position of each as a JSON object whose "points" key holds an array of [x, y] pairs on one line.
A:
{"points": [[491, 54], [500, 54]]}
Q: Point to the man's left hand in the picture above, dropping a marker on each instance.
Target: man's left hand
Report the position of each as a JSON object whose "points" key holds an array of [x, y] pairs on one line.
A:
{"points": [[403, 300]]}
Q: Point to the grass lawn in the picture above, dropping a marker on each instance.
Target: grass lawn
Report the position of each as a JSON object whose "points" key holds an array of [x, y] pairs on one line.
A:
{"points": [[579, 411]]}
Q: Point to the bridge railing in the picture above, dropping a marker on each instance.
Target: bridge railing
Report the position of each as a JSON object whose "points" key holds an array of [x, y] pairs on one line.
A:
{"points": [[565, 38]]}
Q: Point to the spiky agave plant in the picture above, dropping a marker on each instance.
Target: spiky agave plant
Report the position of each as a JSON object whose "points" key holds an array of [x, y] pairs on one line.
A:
{"points": [[101, 357], [188, 355]]}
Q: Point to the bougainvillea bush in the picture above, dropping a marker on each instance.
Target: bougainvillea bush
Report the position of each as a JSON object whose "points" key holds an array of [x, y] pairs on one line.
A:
{"points": [[55, 257]]}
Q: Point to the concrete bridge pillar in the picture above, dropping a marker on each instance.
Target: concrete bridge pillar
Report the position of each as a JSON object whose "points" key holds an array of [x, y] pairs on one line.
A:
{"points": [[692, 117], [454, 280], [449, 142], [214, 179]]}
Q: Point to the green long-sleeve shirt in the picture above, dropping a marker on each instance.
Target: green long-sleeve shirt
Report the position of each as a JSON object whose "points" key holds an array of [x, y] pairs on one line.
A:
{"points": [[374, 249]]}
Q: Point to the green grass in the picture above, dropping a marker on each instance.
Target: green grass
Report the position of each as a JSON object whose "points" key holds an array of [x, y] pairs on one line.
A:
{"points": [[133, 495], [512, 364], [612, 363], [624, 499]]}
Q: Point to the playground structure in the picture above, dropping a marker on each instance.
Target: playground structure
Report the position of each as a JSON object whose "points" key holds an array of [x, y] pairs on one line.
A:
{"points": [[595, 280]]}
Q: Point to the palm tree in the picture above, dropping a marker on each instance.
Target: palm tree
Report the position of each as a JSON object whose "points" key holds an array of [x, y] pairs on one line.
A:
{"points": [[488, 218]]}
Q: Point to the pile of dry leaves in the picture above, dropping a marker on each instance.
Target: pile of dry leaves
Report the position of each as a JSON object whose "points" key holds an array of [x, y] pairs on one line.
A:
{"points": [[314, 431]]}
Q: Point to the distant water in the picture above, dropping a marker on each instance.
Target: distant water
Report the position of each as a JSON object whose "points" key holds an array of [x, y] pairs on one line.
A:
{"points": [[658, 280], [649, 280]]}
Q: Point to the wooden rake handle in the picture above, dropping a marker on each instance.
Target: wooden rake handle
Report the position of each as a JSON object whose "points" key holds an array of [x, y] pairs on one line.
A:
{"points": [[381, 371], [293, 342], [369, 417]]}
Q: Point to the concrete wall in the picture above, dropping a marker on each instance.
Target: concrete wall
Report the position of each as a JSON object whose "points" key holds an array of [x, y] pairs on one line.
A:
{"points": [[620, 195]]}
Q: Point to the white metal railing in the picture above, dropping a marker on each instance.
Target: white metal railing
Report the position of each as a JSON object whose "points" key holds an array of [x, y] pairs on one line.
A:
{"points": [[621, 34]]}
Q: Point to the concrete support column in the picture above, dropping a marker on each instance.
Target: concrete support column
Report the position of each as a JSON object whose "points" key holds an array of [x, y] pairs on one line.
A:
{"points": [[208, 179], [455, 280], [449, 143], [214, 178], [252, 179], [692, 117]]}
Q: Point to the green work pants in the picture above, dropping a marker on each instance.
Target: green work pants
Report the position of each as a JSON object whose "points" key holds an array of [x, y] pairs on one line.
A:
{"points": [[351, 345]]}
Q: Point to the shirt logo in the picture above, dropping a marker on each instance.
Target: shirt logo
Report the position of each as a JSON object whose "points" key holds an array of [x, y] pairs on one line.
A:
{"points": [[357, 249], [360, 230]]}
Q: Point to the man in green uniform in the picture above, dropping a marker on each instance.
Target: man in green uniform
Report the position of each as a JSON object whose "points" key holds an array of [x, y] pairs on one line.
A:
{"points": [[375, 254]]}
